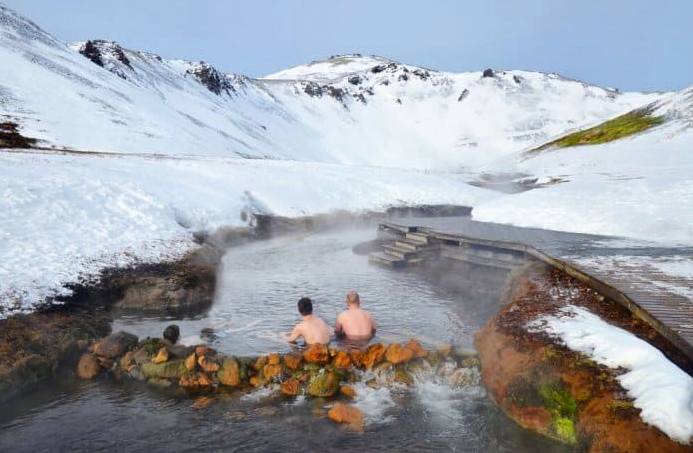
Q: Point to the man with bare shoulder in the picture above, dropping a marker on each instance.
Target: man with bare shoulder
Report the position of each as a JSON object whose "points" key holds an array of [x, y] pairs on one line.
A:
{"points": [[354, 322], [312, 328]]}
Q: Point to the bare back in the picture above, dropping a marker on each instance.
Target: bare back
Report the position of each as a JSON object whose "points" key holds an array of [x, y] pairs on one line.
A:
{"points": [[313, 330], [355, 322]]}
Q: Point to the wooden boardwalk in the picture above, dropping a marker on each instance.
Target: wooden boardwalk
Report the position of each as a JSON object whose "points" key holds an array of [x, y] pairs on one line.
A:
{"points": [[655, 283]]}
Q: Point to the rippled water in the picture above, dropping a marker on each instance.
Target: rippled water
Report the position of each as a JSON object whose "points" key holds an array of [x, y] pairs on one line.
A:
{"points": [[260, 285]]}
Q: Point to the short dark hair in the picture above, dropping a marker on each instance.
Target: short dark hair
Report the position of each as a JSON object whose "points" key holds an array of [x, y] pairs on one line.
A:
{"points": [[171, 333], [305, 306]]}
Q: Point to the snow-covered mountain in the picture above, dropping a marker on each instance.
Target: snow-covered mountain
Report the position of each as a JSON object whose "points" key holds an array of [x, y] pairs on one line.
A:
{"points": [[347, 109]]}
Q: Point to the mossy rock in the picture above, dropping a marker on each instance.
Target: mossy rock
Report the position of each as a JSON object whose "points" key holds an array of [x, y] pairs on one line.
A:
{"points": [[230, 372], [323, 385], [153, 345], [166, 370]]}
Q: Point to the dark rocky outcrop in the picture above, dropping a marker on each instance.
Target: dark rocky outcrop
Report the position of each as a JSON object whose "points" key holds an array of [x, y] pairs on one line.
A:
{"points": [[488, 73], [463, 95], [355, 80], [11, 138], [210, 77], [105, 54]]}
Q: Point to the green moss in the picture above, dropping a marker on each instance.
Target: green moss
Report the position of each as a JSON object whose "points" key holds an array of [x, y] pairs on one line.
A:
{"points": [[550, 355], [565, 429], [631, 123], [152, 345], [562, 405]]}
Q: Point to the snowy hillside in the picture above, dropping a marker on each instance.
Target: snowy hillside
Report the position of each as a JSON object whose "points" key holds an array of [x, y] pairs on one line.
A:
{"points": [[347, 109], [638, 186]]}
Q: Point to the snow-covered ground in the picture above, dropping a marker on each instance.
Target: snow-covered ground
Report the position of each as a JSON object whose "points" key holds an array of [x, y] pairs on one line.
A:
{"points": [[65, 217], [661, 390]]}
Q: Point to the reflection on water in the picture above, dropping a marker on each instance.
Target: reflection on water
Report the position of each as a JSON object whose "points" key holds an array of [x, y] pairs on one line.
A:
{"points": [[260, 285]]}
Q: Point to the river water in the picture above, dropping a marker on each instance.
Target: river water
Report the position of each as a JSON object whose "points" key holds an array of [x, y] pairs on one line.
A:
{"points": [[260, 284]]}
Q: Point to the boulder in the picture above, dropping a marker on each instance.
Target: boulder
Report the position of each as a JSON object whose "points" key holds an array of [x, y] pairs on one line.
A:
{"points": [[115, 344], [341, 359], [344, 413], [260, 363], [356, 356], [417, 349], [323, 385], [195, 380], [272, 371], [127, 361], [396, 353], [191, 362], [488, 73], [317, 353], [257, 381], [161, 356], [293, 360], [88, 366], [203, 350], [372, 355], [273, 359], [347, 391], [291, 387], [208, 364], [173, 369], [230, 373]]}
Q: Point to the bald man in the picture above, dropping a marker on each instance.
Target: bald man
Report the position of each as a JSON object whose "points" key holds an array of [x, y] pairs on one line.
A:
{"points": [[354, 322]]}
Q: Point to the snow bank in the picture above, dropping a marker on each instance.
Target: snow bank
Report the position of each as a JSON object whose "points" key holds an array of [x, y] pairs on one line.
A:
{"points": [[661, 390], [63, 217]]}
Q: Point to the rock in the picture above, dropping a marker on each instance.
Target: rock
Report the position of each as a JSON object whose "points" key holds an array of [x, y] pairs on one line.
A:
{"points": [[323, 385], [141, 356], [463, 95], [488, 73], [105, 362], [257, 381], [115, 345], [194, 380], [88, 367], [417, 349], [317, 353], [383, 368], [127, 361], [293, 360], [203, 350], [343, 413], [159, 383], [354, 80], [207, 364], [260, 363], [191, 362], [291, 387], [229, 374], [341, 359], [372, 355], [463, 377], [173, 369], [347, 391], [272, 371], [202, 402], [161, 356], [356, 356], [396, 353], [273, 359], [403, 377], [517, 79]]}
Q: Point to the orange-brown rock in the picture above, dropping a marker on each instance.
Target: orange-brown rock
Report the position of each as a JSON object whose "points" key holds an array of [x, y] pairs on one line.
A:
{"points": [[273, 359], [203, 350], [257, 381], [554, 391], [305, 377], [341, 359], [317, 353], [271, 371], [195, 379], [260, 363], [293, 360], [115, 345], [161, 356], [207, 364], [396, 353], [127, 361], [417, 349], [291, 387], [191, 362], [88, 366], [344, 413], [356, 356], [348, 391], [230, 373], [372, 355]]}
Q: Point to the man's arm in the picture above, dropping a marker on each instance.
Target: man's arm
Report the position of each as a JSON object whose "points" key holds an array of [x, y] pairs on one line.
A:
{"points": [[297, 332], [338, 328]]}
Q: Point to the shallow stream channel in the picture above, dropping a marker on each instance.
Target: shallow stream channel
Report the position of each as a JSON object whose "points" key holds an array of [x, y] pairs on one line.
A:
{"points": [[259, 286]]}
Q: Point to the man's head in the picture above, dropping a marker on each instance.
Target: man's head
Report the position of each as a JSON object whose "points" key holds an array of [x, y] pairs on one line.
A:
{"points": [[305, 306], [353, 299], [171, 333]]}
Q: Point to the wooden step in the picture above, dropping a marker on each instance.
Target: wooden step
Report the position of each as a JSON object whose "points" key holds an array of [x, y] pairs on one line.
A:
{"points": [[384, 259], [418, 237], [400, 252], [414, 245]]}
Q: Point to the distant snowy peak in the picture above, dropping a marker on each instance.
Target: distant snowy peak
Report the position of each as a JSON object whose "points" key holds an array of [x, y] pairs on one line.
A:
{"points": [[334, 68]]}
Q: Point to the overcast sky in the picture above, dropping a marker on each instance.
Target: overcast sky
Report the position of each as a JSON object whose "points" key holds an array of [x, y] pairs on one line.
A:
{"points": [[629, 44]]}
